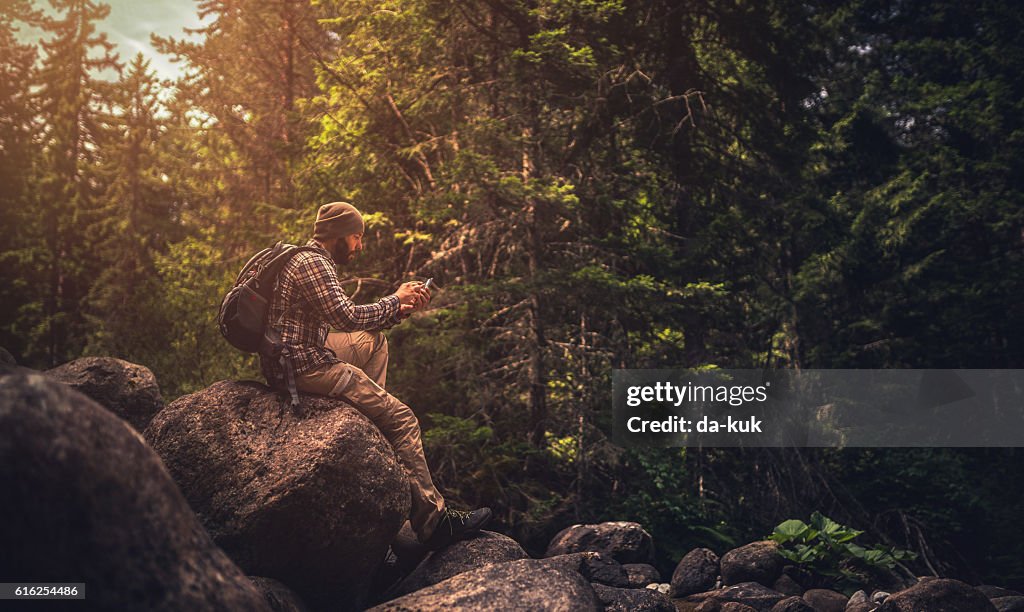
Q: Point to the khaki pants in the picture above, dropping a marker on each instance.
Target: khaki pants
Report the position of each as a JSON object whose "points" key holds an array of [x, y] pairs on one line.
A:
{"points": [[360, 381]]}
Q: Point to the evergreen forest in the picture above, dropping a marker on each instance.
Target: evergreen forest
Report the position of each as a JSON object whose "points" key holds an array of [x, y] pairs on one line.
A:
{"points": [[593, 185]]}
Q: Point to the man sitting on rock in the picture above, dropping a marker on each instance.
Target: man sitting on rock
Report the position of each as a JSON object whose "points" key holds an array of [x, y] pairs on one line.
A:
{"points": [[352, 364]]}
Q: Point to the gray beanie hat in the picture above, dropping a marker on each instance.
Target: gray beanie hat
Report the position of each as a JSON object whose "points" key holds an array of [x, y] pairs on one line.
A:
{"points": [[337, 219]]}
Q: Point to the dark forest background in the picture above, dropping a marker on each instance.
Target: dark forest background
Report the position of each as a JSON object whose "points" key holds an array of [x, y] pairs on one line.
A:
{"points": [[595, 184]]}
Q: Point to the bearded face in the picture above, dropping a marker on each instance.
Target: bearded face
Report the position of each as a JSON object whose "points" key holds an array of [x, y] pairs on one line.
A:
{"points": [[341, 253]]}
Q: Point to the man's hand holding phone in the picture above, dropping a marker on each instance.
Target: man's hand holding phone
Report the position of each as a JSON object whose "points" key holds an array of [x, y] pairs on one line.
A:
{"points": [[413, 296]]}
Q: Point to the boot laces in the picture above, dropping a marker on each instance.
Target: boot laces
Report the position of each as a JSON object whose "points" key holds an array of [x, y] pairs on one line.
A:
{"points": [[458, 516]]}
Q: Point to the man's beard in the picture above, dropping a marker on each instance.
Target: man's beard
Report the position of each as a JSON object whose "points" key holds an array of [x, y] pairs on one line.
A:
{"points": [[341, 254]]}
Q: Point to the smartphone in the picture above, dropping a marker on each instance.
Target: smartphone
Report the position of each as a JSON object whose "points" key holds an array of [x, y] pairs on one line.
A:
{"points": [[429, 284]]}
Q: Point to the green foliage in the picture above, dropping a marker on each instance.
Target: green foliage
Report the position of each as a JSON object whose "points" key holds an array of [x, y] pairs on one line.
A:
{"points": [[594, 184], [195, 354], [827, 548], [657, 492]]}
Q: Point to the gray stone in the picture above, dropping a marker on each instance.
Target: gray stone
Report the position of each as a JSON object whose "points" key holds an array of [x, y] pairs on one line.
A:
{"points": [[696, 572], [751, 594], [938, 595], [484, 549], [713, 605], [526, 584], [623, 541], [755, 562], [787, 586], [127, 389], [992, 591], [632, 600], [858, 601], [825, 600], [594, 567], [1010, 603], [310, 499], [84, 499], [641, 574], [278, 596], [792, 604]]}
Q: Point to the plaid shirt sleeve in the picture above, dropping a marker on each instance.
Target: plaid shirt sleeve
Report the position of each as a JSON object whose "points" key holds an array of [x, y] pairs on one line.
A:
{"points": [[317, 282]]}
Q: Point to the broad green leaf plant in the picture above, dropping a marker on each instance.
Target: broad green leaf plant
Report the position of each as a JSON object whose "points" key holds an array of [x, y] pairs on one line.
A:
{"points": [[826, 548]]}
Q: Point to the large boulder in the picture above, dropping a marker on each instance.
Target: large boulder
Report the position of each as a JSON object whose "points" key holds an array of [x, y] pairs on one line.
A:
{"points": [[755, 562], [696, 572], [86, 500], [311, 499], [632, 600], [128, 390], [939, 595], [623, 541], [526, 584], [486, 548]]}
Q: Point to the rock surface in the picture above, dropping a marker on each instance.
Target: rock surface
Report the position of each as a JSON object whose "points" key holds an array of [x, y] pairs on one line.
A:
{"points": [[632, 600], [84, 497], [695, 573], [787, 586], [859, 602], [485, 549], [792, 604], [594, 567], [527, 584], [939, 595], [311, 500], [754, 562], [278, 596], [993, 592], [825, 600], [128, 390], [1010, 603], [728, 606], [623, 541], [757, 596], [641, 574]]}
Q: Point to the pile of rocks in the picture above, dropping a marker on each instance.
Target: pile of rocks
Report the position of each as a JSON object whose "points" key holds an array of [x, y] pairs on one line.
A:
{"points": [[755, 577], [586, 567], [230, 500]]}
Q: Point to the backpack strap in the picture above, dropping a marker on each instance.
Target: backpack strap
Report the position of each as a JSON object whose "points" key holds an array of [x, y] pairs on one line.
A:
{"points": [[272, 270], [253, 262]]}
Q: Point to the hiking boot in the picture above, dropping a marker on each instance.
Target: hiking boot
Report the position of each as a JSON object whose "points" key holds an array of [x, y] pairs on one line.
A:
{"points": [[456, 525]]}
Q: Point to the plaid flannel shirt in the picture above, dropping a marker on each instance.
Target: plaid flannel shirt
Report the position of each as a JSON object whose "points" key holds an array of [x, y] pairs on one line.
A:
{"points": [[308, 302]]}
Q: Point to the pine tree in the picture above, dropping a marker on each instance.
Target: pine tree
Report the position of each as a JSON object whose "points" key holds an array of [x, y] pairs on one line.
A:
{"points": [[247, 75], [71, 97], [924, 185], [17, 159], [136, 218]]}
